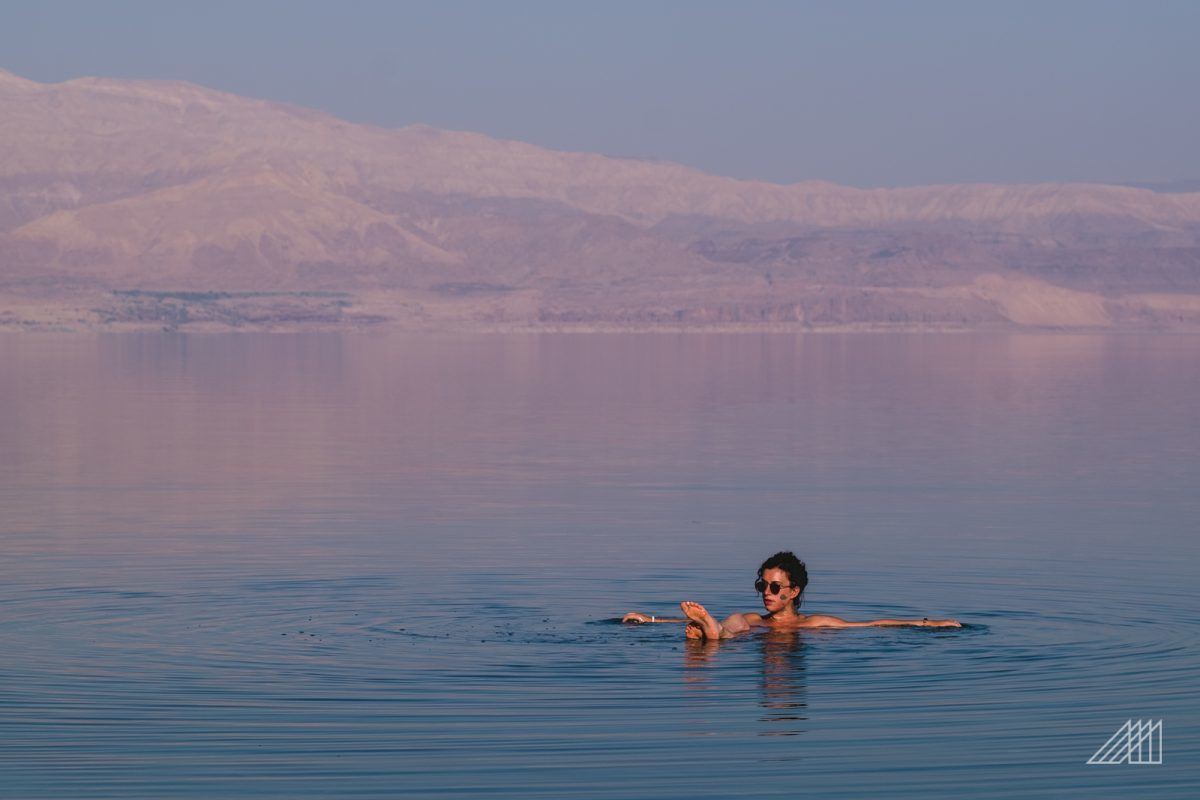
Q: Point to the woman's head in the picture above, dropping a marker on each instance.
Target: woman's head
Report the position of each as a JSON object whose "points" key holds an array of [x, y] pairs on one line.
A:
{"points": [[781, 581]]}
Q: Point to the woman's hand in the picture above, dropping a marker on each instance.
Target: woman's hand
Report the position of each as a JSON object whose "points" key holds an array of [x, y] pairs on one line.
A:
{"points": [[637, 618]]}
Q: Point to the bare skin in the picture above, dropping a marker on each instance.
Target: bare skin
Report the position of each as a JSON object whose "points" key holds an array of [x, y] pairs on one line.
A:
{"points": [[638, 618], [702, 621], [781, 614]]}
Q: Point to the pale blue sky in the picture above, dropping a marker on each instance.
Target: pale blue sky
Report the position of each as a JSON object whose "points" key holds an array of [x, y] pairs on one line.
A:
{"points": [[862, 93]]}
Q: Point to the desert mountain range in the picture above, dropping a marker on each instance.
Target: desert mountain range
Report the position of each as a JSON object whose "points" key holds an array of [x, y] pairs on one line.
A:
{"points": [[164, 204]]}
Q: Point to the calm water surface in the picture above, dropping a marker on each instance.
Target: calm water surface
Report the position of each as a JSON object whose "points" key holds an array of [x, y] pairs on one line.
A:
{"points": [[350, 566]]}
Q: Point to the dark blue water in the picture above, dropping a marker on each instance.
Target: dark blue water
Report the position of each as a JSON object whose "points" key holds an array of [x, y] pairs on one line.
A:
{"points": [[345, 566]]}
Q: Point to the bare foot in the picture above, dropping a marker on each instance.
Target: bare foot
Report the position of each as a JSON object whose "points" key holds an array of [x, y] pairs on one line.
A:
{"points": [[709, 628], [693, 631]]}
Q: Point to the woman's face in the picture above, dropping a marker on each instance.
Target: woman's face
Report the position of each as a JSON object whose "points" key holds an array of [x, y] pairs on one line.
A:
{"points": [[776, 602]]}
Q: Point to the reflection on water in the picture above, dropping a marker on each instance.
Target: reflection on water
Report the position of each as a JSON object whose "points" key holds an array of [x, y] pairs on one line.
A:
{"points": [[783, 682], [781, 669], [135, 444], [325, 565]]}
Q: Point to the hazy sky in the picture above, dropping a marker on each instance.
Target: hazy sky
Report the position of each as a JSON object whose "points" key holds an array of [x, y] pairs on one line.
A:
{"points": [[863, 93]]}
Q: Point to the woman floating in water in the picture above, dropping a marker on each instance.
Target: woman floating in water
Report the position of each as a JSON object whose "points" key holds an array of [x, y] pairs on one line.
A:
{"points": [[781, 582]]}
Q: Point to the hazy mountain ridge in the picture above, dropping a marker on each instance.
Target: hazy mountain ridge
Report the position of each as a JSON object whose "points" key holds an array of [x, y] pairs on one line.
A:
{"points": [[167, 187]]}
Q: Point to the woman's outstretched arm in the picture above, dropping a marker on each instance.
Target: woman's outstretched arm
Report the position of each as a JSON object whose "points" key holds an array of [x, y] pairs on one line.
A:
{"points": [[638, 618], [826, 621]]}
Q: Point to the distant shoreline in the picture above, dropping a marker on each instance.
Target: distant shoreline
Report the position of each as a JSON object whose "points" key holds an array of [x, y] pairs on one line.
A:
{"points": [[38, 329], [962, 311]]}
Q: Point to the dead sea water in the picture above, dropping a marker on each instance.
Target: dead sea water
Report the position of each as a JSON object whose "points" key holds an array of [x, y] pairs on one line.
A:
{"points": [[388, 566]]}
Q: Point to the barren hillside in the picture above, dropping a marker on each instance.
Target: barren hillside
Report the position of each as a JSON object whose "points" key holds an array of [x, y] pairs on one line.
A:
{"points": [[141, 203]]}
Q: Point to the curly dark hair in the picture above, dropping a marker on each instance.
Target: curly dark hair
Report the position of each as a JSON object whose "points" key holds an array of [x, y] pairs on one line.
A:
{"points": [[797, 573]]}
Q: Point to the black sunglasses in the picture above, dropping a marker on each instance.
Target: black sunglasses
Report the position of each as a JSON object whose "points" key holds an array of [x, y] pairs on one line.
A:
{"points": [[776, 587]]}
